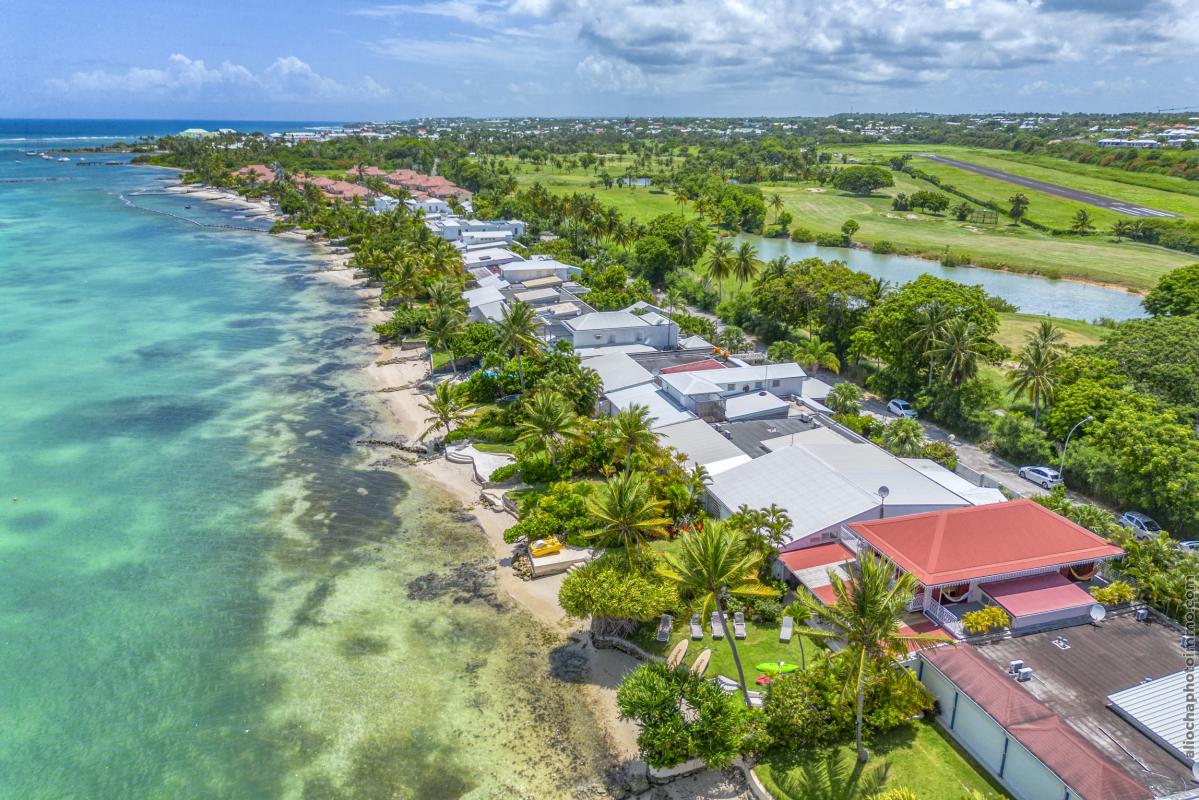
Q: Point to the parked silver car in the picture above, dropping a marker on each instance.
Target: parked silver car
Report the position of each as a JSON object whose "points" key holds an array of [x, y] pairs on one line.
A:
{"points": [[1045, 477], [901, 408], [1142, 526]]}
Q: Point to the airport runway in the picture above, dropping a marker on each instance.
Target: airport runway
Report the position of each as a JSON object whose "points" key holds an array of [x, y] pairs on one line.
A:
{"points": [[1119, 206]]}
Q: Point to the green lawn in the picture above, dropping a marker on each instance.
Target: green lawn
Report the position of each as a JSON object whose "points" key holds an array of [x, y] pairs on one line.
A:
{"points": [[1014, 330], [761, 644], [922, 759], [495, 447]]}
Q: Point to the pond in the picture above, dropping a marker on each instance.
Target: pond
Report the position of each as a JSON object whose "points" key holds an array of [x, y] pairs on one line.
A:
{"points": [[1031, 294]]}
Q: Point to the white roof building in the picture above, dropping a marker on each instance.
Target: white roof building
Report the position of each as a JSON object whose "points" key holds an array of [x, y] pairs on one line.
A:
{"points": [[491, 257], [702, 445], [618, 371], [622, 327], [663, 410], [482, 296]]}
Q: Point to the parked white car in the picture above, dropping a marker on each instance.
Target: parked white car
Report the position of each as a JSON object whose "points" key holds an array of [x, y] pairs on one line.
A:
{"points": [[1045, 477], [1189, 545], [1142, 526], [901, 408]]}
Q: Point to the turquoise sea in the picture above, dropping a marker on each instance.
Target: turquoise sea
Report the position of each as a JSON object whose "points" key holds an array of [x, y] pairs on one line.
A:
{"points": [[207, 590]]}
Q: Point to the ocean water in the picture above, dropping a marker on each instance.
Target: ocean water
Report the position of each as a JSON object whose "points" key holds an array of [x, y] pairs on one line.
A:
{"points": [[206, 589]]}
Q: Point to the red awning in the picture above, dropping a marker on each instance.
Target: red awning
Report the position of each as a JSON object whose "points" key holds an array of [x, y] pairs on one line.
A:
{"points": [[1038, 594]]}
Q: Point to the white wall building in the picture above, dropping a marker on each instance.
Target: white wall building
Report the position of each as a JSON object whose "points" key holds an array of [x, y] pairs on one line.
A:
{"points": [[603, 328]]}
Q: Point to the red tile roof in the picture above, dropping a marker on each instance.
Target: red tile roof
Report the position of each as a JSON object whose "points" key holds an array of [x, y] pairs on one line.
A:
{"points": [[1037, 594], [962, 544], [694, 366], [924, 627], [825, 594], [1058, 746], [818, 556]]}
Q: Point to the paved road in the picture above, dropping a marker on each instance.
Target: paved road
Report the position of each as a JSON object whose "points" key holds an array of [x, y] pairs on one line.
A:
{"points": [[1119, 206]]}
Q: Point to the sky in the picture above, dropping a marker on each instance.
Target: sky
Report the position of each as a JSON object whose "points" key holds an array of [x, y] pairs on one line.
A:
{"points": [[349, 60]]}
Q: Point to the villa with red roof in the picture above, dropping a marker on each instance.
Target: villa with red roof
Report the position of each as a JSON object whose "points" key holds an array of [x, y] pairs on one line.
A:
{"points": [[1018, 555]]}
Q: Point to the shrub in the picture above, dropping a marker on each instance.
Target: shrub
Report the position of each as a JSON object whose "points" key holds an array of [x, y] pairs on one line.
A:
{"points": [[1017, 439], [986, 619], [504, 473], [539, 469], [801, 234], [951, 259], [1114, 594], [883, 247], [861, 424], [831, 240], [456, 435], [941, 452], [498, 434]]}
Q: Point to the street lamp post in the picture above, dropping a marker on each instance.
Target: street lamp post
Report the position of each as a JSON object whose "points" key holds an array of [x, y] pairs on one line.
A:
{"points": [[1083, 421]]}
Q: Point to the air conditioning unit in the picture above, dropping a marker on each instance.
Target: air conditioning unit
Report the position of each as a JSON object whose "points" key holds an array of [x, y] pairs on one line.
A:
{"points": [[1015, 666], [1024, 674], [1142, 615]]}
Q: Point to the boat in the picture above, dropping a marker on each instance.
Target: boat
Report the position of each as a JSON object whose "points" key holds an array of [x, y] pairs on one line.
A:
{"points": [[64, 159], [187, 206], [31, 154]]}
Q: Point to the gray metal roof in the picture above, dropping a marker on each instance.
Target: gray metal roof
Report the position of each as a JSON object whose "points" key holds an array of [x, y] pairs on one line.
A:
{"points": [[1158, 709]]}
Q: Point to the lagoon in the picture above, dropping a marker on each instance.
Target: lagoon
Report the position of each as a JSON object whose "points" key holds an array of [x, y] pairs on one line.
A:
{"points": [[1031, 294]]}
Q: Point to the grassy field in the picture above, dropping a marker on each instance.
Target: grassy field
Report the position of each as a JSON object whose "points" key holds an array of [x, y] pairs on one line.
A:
{"points": [[1163, 192], [823, 210], [921, 759], [1014, 330], [1000, 246]]}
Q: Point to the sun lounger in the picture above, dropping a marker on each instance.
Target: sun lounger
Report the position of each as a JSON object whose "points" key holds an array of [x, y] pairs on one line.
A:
{"points": [[787, 630], [727, 684], [717, 626], [739, 625], [664, 627], [697, 629]]}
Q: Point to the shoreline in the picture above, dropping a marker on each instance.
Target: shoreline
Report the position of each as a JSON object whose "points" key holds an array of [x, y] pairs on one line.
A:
{"points": [[400, 414]]}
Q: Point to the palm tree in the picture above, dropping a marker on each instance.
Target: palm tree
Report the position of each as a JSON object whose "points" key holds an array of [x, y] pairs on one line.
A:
{"points": [[720, 263], [710, 565], [776, 267], [929, 318], [442, 326], [814, 353], [549, 421], [627, 514], [1049, 336], [1035, 375], [834, 778], [783, 351], [866, 618], [517, 329], [904, 437], [958, 346], [631, 428], [776, 204], [447, 407], [674, 300], [745, 266]]}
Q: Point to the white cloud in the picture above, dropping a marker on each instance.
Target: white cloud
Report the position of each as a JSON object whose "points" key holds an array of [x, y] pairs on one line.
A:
{"points": [[287, 78], [609, 75]]}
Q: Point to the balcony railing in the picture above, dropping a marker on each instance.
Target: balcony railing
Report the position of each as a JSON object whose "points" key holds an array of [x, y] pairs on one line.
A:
{"points": [[945, 618]]}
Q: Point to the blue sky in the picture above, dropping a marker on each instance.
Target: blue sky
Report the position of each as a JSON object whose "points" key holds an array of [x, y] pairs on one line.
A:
{"points": [[216, 59]]}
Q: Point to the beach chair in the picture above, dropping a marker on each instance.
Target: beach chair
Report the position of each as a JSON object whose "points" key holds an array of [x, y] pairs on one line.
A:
{"points": [[787, 630], [697, 629], [717, 627], [664, 627], [739, 625], [727, 685]]}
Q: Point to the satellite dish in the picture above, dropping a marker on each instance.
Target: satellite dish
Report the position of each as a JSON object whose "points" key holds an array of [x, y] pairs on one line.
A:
{"points": [[1098, 612]]}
